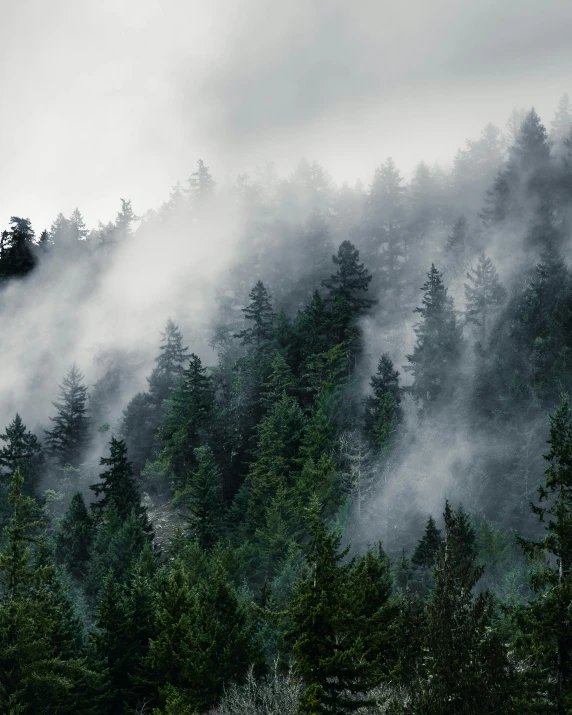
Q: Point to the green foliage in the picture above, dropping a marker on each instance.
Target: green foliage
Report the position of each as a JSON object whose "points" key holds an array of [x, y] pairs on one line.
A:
{"points": [[69, 437], [74, 540]]}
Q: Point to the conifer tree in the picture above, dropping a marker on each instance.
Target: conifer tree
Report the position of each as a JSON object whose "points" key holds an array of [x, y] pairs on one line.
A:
{"points": [[428, 545], [201, 186], [465, 667], [437, 350], [546, 623], [22, 450], [204, 499], [190, 409], [260, 312], [170, 363], [457, 241], [125, 217], [75, 537], [347, 290], [69, 437], [77, 225], [382, 407], [118, 486], [18, 256], [562, 122], [43, 665], [484, 293], [328, 653]]}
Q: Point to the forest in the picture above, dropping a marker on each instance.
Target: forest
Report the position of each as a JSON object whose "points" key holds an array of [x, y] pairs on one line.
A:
{"points": [[342, 483]]}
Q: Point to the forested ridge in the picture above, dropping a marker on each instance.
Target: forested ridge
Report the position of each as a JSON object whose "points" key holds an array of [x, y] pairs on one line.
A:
{"points": [[344, 487]]}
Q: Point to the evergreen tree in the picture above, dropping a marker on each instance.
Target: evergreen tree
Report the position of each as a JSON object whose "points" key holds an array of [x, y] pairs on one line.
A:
{"points": [[69, 437], [428, 545], [118, 486], [22, 450], [125, 217], [187, 420], [437, 350], [562, 122], [382, 407], [484, 293], [75, 537], [546, 624], [138, 426], [204, 499], [43, 665], [465, 667], [170, 363], [327, 649], [457, 241], [346, 293], [260, 312], [18, 255], [77, 225], [201, 186]]}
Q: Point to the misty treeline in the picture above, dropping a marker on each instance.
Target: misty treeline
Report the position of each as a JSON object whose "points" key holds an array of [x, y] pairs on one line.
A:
{"points": [[350, 492]]}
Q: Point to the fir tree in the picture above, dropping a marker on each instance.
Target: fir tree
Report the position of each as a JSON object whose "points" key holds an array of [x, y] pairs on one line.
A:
{"points": [[428, 545], [77, 225], [484, 293], [170, 363], [562, 122], [465, 668], [201, 186], [204, 499], [125, 217], [327, 651], [22, 450], [69, 437], [457, 241], [382, 407], [75, 537], [546, 624], [346, 292], [118, 486], [437, 350], [18, 256], [260, 312]]}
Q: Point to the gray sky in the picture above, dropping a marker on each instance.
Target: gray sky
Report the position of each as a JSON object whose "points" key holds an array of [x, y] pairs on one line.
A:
{"points": [[103, 99]]}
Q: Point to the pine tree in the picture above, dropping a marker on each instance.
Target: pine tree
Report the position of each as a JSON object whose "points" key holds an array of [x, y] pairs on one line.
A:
{"points": [[43, 665], [484, 293], [187, 420], [457, 241], [428, 545], [138, 426], [18, 255], [260, 312], [77, 226], [437, 350], [118, 486], [465, 668], [201, 186], [546, 623], [327, 651], [69, 437], [170, 363], [204, 499], [382, 407], [75, 537], [125, 217], [562, 122], [346, 292], [22, 450]]}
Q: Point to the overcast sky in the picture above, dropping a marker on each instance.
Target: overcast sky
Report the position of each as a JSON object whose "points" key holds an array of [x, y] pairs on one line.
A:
{"points": [[102, 99]]}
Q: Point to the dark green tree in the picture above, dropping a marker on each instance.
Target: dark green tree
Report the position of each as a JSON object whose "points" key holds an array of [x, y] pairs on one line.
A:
{"points": [[347, 290], [381, 412], [118, 487], [69, 437], [75, 537], [22, 450], [438, 347], [428, 545], [204, 499], [465, 667], [170, 363], [260, 312], [18, 254], [546, 623]]}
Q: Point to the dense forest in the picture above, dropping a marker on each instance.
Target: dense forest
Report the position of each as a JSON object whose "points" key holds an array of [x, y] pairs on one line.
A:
{"points": [[342, 484]]}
